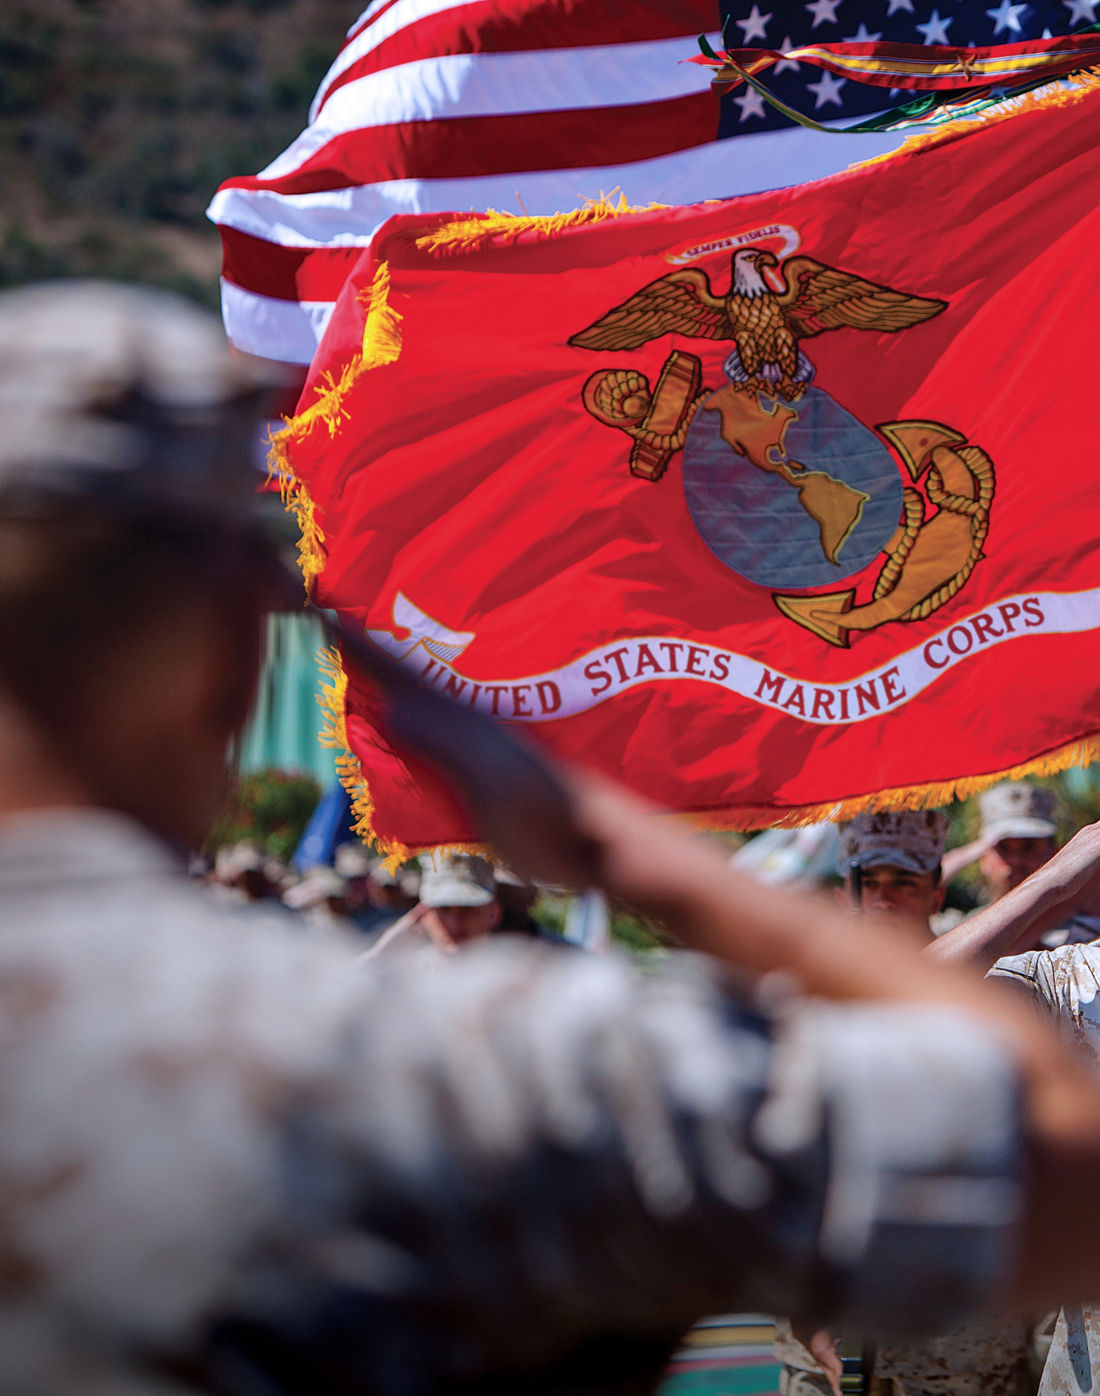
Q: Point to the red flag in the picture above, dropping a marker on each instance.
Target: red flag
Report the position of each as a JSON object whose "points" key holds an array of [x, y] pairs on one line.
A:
{"points": [[769, 506]]}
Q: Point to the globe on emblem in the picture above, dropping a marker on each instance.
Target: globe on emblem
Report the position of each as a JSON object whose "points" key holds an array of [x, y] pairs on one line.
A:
{"points": [[793, 495]]}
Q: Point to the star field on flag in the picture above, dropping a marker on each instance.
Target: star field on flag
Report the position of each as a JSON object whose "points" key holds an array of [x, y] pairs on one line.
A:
{"points": [[969, 23]]}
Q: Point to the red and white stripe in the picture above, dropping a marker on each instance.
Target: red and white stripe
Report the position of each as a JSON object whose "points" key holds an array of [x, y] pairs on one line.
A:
{"points": [[523, 105]]}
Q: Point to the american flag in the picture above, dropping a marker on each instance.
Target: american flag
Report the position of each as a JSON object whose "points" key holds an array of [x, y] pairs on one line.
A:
{"points": [[532, 106]]}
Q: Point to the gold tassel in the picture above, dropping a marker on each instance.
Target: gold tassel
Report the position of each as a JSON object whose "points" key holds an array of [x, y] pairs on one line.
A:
{"points": [[382, 331], [332, 699], [1055, 94]]}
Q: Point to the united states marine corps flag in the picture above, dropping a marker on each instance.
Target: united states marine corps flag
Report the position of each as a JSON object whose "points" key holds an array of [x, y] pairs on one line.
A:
{"points": [[773, 507]]}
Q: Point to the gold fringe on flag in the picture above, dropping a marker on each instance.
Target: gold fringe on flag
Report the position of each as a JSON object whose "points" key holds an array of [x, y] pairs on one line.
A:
{"points": [[382, 341], [1079, 752], [381, 345], [479, 229], [332, 700], [930, 795]]}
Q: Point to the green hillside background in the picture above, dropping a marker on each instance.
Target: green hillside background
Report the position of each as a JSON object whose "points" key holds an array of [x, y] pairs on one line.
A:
{"points": [[119, 118]]}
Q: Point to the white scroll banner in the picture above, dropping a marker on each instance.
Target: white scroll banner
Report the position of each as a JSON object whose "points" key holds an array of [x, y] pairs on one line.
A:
{"points": [[620, 666]]}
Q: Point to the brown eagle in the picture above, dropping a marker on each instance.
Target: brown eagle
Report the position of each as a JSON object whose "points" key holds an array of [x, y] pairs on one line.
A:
{"points": [[764, 323]]}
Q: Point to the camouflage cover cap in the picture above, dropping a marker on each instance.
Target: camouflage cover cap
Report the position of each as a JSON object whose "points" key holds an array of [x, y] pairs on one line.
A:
{"points": [[234, 859], [909, 839], [353, 860], [129, 398], [457, 879], [1016, 809], [318, 885]]}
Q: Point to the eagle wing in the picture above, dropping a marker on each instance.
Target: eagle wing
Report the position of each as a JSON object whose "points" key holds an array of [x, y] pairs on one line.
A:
{"points": [[680, 302], [820, 298]]}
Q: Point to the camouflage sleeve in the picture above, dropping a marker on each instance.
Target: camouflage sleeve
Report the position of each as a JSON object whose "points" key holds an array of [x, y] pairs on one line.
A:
{"points": [[520, 1153], [1027, 970], [1064, 984]]}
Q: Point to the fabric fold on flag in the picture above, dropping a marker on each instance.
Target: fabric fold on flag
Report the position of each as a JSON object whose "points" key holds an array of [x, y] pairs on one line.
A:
{"points": [[919, 66], [536, 105], [773, 507], [527, 105]]}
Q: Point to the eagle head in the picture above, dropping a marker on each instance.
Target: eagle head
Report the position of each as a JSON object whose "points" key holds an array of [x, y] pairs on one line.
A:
{"points": [[747, 272]]}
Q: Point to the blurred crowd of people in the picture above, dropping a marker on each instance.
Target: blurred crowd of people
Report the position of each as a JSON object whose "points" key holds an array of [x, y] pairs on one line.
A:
{"points": [[441, 899], [892, 863]]}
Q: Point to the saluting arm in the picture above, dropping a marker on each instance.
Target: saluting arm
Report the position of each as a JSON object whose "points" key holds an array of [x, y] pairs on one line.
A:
{"points": [[1068, 883], [831, 955]]}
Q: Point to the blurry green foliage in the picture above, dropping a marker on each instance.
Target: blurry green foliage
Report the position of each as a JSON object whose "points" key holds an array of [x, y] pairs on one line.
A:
{"points": [[269, 809], [233, 50], [633, 931], [24, 70], [629, 930], [99, 251], [130, 116]]}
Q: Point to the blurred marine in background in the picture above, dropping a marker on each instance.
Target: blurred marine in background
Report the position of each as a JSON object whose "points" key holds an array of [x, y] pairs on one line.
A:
{"points": [[891, 863]]}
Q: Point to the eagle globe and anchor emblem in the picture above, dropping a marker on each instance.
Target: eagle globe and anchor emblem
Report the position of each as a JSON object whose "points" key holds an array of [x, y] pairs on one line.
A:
{"points": [[786, 487]]}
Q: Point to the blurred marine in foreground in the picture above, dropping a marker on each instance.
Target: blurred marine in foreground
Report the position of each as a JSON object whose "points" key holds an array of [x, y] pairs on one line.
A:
{"points": [[236, 1160]]}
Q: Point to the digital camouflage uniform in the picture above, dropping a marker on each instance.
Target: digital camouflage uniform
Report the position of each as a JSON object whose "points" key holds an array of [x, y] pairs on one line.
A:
{"points": [[236, 1159], [1065, 984], [979, 1358]]}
